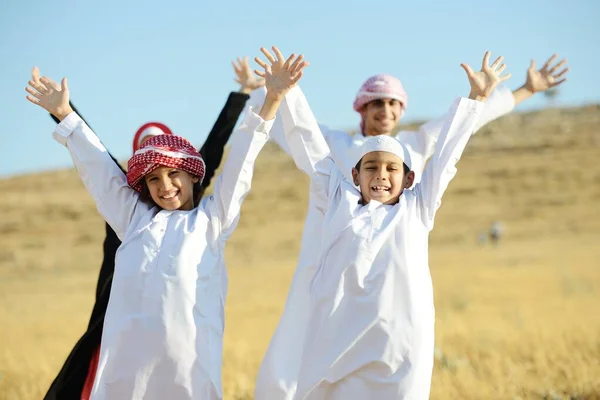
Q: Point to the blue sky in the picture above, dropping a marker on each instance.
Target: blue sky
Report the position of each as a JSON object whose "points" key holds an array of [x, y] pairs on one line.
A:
{"points": [[138, 61]]}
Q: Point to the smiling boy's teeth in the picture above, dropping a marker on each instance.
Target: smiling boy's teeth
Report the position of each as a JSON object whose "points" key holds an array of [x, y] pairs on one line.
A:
{"points": [[169, 196], [379, 188]]}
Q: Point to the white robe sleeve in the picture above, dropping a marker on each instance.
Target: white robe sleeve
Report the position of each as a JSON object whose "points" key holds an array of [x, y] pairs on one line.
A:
{"points": [[233, 184], [455, 133], [422, 143], [117, 202], [307, 145], [294, 108]]}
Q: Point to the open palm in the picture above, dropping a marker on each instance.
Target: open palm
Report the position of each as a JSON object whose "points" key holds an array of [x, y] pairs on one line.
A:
{"points": [[485, 81], [49, 95], [546, 77], [280, 75], [244, 75]]}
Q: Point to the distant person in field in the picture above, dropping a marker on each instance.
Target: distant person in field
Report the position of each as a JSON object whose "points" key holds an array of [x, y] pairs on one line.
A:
{"points": [[381, 103], [163, 329], [496, 231], [369, 330], [75, 379]]}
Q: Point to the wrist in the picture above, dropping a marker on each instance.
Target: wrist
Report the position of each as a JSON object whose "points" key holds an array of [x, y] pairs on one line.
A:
{"points": [[245, 89], [274, 97], [62, 113], [478, 96], [527, 89]]}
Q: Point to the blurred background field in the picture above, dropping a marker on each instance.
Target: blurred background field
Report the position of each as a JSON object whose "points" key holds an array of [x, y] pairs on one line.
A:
{"points": [[518, 319]]}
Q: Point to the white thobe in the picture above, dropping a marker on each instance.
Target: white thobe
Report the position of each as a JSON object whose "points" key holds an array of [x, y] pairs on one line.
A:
{"points": [[370, 327], [163, 330], [277, 376]]}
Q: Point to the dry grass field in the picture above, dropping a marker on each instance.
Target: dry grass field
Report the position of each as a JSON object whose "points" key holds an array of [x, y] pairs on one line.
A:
{"points": [[520, 320]]}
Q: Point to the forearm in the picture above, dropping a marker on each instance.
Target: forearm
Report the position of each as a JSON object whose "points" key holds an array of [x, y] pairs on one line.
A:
{"points": [[521, 94], [233, 184], [302, 133], [213, 148], [458, 127], [84, 120], [103, 179], [499, 103]]}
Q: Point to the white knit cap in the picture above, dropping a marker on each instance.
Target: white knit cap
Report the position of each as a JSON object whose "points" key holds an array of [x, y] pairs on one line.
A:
{"points": [[383, 143]]}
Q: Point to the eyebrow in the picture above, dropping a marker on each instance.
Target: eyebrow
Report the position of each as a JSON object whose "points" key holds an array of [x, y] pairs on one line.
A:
{"points": [[384, 162]]}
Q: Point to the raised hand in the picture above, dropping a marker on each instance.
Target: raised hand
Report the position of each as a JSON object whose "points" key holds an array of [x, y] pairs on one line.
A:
{"points": [[281, 75], [245, 77], [485, 81], [47, 94], [35, 76], [546, 77]]}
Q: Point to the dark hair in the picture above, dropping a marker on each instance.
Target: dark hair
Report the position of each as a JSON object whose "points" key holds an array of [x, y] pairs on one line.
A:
{"points": [[405, 167], [145, 196]]}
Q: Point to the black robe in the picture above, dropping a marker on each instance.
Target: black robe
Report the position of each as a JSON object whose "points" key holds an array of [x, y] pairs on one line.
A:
{"points": [[69, 382]]}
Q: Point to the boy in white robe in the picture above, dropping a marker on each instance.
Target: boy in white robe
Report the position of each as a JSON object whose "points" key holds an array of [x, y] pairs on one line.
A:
{"points": [[370, 329], [163, 330], [278, 373]]}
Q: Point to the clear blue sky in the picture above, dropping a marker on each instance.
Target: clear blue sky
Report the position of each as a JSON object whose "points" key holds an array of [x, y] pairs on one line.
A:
{"points": [[130, 62]]}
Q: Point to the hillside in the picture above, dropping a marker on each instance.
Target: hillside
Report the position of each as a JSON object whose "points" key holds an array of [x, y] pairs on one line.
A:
{"points": [[518, 320]]}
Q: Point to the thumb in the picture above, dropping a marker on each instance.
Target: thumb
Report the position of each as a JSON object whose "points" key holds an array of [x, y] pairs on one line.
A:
{"points": [[63, 85], [532, 65], [35, 74], [467, 69]]}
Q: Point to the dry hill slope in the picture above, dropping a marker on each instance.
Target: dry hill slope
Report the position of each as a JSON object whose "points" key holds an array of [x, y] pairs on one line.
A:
{"points": [[516, 321]]}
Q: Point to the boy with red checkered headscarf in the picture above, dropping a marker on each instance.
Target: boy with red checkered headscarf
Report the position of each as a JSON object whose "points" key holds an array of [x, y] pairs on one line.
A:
{"points": [[76, 377], [163, 330]]}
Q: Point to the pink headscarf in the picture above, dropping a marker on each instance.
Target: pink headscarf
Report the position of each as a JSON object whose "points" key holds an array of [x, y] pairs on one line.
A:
{"points": [[381, 86]]}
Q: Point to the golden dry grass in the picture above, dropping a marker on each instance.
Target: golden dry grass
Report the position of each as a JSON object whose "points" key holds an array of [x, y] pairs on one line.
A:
{"points": [[520, 320]]}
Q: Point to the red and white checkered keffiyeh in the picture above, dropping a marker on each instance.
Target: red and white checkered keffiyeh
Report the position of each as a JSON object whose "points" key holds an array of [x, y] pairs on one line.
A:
{"points": [[149, 129], [380, 86], [163, 151]]}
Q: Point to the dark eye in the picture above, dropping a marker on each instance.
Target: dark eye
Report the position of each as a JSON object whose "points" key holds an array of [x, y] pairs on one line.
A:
{"points": [[392, 169], [371, 168], [152, 179], [173, 173]]}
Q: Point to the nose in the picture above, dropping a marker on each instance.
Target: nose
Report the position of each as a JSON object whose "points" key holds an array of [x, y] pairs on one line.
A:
{"points": [[382, 175], [386, 109], [165, 184]]}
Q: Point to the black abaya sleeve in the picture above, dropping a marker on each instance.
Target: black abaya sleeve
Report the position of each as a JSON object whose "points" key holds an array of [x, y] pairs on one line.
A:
{"points": [[212, 150], [69, 382]]}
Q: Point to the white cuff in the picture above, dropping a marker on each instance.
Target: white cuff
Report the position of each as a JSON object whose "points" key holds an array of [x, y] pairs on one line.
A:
{"points": [[66, 127]]}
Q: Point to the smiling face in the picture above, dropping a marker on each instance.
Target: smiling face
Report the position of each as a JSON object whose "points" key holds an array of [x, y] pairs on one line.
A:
{"points": [[382, 177], [381, 116], [171, 188]]}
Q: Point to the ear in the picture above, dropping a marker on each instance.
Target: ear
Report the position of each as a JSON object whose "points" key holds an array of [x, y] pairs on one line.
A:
{"points": [[409, 179], [195, 179], [355, 177]]}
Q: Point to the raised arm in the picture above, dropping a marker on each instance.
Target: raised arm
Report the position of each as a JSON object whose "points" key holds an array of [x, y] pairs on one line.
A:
{"points": [[213, 147], [422, 143], [116, 201], [303, 135], [546, 78], [35, 76], [500, 102], [233, 184], [455, 133]]}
